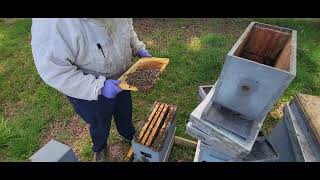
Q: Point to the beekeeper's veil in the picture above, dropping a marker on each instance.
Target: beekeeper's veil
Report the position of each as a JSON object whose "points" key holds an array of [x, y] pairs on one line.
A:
{"points": [[110, 24]]}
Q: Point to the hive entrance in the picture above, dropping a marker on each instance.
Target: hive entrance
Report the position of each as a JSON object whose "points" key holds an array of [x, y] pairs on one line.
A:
{"points": [[267, 45]]}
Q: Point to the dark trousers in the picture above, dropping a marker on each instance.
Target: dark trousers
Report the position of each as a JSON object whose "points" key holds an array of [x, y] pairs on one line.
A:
{"points": [[98, 114]]}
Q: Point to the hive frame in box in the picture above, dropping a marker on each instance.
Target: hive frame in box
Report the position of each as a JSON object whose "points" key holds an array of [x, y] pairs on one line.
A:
{"points": [[250, 88], [148, 154], [155, 139]]}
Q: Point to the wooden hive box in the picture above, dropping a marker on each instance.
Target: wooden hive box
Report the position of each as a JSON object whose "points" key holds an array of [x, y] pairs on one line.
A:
{"points": [[155, 139], [257, 70]]}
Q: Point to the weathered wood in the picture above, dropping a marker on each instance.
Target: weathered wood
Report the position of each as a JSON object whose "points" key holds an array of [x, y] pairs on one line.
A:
{"points": [[154, 120], [156, 127], [148, 121], [129, 155], [185, 142], [264, 45], [305, 147], [284, 57], [293, 137], [310, 106], [159, 140]]}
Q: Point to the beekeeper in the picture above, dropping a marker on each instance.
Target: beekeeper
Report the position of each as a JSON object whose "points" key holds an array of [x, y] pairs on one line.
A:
{"points": [[82, 58]]}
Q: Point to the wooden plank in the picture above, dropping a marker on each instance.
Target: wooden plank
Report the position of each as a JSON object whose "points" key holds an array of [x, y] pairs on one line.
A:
{"points": [[283, 61], [146, 135], [185, 142], [271, 29], [243, 44], [125, 86], [148, 121], [310, 106], [156, 127], [158, 142], [252, 56], [129, 155], [166, 122]]}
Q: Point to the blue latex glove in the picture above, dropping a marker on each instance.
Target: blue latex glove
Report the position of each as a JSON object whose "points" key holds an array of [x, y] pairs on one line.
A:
{"points": [[144, 53], [111, 88]]}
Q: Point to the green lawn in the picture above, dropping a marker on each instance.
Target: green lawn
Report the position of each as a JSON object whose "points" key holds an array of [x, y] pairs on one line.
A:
{"points": [[29, 108]]}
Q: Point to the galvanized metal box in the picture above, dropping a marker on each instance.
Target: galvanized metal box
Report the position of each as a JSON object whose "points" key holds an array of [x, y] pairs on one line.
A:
{"points": [[210, 132], [280, 138], [257, 70], [203, 91], [262, 151]]}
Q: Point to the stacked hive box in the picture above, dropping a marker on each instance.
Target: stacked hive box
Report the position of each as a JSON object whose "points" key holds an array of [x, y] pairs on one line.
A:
{"points": [[262, 150], [257, 70]]}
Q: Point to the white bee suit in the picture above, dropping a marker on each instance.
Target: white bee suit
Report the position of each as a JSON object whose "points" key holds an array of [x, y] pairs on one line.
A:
{"points": [[76, 55]]}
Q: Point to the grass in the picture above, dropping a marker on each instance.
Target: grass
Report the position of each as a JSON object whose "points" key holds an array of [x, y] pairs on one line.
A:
{"points": [[28, 106], [7, 134]]}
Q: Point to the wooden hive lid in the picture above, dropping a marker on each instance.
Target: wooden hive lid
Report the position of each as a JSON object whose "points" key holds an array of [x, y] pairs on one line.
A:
{"points": [[310, 105]]}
